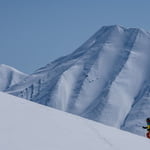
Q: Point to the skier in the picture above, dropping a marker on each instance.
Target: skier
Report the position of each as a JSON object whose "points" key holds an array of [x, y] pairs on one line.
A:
{"points": [[147, 127]]}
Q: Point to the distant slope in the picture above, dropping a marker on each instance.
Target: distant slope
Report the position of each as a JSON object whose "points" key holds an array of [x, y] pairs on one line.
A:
{"points": [[9, 76], [29, 126], [107, 79]]}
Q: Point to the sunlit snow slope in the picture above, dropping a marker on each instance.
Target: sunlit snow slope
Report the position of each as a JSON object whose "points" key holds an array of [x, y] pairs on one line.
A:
{"points": [[107, 79], [9, 76], [29, 126]]}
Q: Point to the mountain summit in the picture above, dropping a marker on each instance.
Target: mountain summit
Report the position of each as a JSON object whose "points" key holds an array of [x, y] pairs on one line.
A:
{"points": [[107, 79]]}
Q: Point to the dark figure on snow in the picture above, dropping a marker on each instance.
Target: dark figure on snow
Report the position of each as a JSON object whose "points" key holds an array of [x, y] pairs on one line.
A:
{"points": [[148, 124], [147, 127]]}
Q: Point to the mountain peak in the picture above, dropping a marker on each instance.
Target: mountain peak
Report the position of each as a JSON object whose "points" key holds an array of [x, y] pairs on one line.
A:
{"points": [[114, 26], [119, 28], [106, 79], [9, 76], [6, 67]]}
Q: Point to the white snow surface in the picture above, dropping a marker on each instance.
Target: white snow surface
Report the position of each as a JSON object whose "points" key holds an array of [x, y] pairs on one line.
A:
{"points": [[29, 126], [107, 79], [9, 76]]}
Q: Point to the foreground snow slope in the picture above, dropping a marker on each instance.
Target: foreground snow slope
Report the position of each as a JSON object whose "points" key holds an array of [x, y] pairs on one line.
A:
{"points": [[30, 126], [9, 76]]}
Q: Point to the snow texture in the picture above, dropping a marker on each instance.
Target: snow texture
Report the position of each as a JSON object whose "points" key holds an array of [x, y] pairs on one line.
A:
{"points": [[9, 76], [107, 79], [30, 126]]}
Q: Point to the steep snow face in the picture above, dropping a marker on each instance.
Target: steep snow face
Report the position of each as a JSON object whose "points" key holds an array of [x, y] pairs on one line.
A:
{"points": [[106, 79], [9, 76], [30, 126]]}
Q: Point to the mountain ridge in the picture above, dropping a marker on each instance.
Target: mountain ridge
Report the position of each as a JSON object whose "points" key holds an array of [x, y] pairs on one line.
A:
{"points": [[9, 76], [102, 80]]}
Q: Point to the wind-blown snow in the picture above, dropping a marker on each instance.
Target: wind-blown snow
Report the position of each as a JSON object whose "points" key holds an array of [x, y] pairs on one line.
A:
{"points": [[29, 126], [9, 76], [106, 79]]}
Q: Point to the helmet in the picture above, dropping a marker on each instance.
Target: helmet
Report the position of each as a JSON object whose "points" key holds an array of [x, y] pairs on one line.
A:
{"points": [[148, 119]]}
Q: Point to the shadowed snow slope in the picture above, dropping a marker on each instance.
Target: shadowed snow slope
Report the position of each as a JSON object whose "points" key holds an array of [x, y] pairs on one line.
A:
{"points": [[30, 126], [9, 76], [107, 79]]}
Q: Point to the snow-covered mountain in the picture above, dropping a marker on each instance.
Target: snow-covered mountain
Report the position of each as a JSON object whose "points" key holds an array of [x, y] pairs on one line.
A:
{"points": [[107, 79], [30, 126], [9, 76]]}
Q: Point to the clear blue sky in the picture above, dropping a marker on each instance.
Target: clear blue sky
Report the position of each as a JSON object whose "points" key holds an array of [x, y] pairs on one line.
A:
{"points": [[35, 32]]}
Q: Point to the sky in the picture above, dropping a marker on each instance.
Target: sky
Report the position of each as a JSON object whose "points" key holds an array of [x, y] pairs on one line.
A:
{"points": [[35, 32]]}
